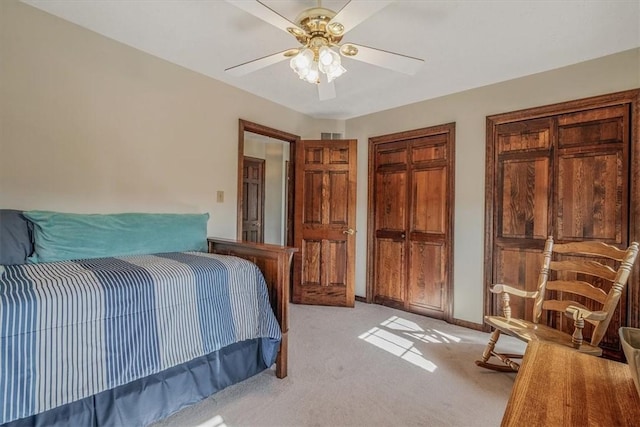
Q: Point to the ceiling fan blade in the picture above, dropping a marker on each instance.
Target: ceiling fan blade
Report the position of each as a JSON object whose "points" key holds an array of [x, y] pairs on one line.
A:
{"points": [[256, 64], [389, 60], [356, 11], [264, 12], [326, 90]]}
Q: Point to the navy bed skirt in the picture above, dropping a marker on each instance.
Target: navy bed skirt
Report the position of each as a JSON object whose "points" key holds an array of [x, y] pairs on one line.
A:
{"points": [[155, 397]]}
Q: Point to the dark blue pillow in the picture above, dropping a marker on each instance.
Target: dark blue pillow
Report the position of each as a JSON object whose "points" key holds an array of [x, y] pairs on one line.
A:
{"points": [[16, 242]]}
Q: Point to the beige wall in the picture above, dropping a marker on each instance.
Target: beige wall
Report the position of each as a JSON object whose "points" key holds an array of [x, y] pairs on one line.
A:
{"points": [[469, 110], [90, 125]]}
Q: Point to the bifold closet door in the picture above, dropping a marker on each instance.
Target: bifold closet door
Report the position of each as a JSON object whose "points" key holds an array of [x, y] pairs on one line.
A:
{"points": [[391, 191], [412, 191], [564, 175], [522, 206]]}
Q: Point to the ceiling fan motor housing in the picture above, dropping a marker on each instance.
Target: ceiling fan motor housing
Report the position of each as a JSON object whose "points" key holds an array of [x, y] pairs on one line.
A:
{"points": [[315, 22]]}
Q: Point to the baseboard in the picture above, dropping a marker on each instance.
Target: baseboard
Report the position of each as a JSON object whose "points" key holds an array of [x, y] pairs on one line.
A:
{"points": [[361, 299], [470, 325]]}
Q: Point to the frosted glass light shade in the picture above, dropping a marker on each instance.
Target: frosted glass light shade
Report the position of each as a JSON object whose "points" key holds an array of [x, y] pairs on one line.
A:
{"points": [[308, 67]]}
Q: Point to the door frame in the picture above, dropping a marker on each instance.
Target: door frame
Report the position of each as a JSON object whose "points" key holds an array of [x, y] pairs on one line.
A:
{"points": [[403, 136], [245, 125]]}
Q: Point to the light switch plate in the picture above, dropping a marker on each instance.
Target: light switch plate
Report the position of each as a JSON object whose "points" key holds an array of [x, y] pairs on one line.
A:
{"points": [[220, 196]]}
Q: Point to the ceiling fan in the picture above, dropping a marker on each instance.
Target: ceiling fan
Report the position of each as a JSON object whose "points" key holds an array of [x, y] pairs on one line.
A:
{"points": [[320, 32]]}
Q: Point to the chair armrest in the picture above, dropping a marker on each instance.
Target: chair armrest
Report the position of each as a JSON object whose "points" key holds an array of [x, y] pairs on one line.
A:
{"points": [[579, 314], [576, 313], [500, 288], [505, 291]]}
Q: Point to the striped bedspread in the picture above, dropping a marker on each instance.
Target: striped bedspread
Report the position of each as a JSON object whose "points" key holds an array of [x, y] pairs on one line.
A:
{"points": [[72, 329]]}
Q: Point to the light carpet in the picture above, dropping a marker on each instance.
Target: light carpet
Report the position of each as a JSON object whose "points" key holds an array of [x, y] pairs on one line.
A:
{"points": [[366, 366]]}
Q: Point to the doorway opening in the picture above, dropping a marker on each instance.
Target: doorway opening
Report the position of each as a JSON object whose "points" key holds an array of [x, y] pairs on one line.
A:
{"points": [[276, 149]]}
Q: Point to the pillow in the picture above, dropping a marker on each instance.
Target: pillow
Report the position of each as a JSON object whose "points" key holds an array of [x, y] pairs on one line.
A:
{"points": [[64, 236], [15, 237]]}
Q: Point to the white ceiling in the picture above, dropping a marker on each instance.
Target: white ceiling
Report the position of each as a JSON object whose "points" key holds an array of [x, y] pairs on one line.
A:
{"points": [[465, 44]]}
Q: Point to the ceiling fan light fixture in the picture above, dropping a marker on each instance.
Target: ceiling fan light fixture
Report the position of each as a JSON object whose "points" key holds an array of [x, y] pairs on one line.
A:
{"points": [[330, 63], [302, 60], [326, 56], [334, 72], [313, 74], [308, 65]]}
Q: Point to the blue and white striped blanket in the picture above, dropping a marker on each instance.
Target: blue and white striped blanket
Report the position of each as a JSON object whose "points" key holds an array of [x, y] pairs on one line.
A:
{"points": [[72, 329]]}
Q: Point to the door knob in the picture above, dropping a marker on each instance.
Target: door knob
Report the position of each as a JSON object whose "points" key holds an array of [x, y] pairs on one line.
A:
{"points": [[350, 232]]}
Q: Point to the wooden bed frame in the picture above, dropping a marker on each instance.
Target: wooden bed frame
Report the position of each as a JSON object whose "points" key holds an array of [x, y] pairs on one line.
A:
{"points": [[275, 263]]}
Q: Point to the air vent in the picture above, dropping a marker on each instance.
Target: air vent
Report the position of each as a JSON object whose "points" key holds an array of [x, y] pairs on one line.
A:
{"points": [[329, 135]]}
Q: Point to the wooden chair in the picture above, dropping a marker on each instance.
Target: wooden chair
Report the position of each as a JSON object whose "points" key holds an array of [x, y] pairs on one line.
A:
{"points": [[580, 260]]}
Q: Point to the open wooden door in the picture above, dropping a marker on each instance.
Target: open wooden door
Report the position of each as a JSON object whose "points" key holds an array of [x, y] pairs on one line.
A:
{"points": [[324, 226]]}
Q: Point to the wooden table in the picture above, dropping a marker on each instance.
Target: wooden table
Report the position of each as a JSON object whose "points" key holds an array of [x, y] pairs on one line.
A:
{"points": [[556, 386]]}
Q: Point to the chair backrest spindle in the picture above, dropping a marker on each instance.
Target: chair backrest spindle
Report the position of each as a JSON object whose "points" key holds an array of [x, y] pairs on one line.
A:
{"points": [[543, 278]]}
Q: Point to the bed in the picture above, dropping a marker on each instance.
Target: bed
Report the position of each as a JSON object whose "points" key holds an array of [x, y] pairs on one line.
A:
{"points": [[125, 319]]}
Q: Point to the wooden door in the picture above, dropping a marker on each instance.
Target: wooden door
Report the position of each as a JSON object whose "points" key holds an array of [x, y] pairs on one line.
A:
{"points": [[324, 226], [523, 204], [411, 201], [391, 191], [592, 175], [429, 236], [565, 174], [253, 200], [591, 195]]}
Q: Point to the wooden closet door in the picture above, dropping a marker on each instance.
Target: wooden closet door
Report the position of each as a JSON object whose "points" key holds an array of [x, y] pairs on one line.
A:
{"points": [[390, 221], [428, 238], [523, 204], [565, 171], [592, 176], [412, 209], [592, 194]]}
